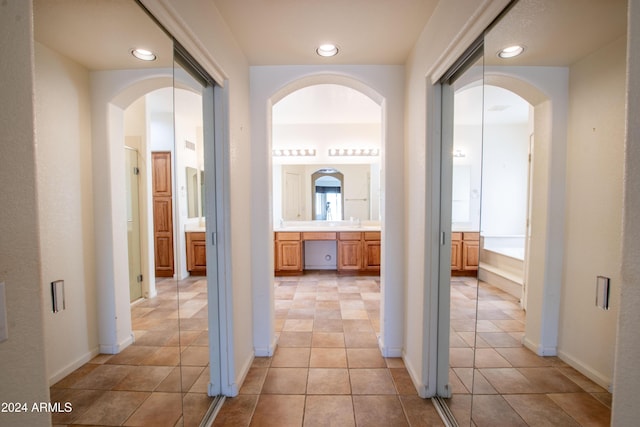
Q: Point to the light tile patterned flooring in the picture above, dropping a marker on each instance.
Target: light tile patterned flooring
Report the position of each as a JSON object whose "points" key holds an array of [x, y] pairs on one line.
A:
{"points": [[511, 385], [327, 369], [144, 385]]}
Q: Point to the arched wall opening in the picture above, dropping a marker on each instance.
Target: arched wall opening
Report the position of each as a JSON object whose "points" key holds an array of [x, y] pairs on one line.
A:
{"points": [[392, 292]]}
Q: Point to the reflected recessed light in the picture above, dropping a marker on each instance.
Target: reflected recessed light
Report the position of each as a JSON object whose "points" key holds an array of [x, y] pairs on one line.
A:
{"points": [[511, 51], [327, 50], [143, 54]]}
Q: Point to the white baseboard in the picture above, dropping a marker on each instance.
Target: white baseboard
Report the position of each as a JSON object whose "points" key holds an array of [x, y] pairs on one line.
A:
{"points": [[60, 374], [599, 378], [234, 389], [423, 390], [389, 351], [538, 349], [117, 348], [266, 351]]}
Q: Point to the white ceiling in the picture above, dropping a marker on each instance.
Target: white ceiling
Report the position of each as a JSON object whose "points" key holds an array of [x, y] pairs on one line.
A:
{"points": [[281, 32], [100, 33]]}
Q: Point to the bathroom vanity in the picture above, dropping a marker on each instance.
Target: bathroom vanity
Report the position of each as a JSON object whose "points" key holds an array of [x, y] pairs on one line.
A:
{"points": [[465, 250], [357, 248]]}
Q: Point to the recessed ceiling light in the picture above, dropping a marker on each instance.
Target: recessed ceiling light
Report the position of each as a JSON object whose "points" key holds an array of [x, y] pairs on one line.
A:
{"points": [[143, 54], [327, 50], [511, 51]]}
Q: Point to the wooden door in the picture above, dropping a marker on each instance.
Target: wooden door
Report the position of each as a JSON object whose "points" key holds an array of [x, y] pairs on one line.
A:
{"points": [[162, 213], [293, 198]]}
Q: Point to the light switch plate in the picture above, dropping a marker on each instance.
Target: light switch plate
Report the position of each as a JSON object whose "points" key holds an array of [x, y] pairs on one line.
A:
{"points": [[4, 327]]}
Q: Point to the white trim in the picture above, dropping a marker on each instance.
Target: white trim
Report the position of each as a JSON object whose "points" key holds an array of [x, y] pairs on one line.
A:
{"points": [[423, 389], [117, 348], [166, 14], [266, 351], [62, 373], [470, 31], [597, 377], [538, 349]]}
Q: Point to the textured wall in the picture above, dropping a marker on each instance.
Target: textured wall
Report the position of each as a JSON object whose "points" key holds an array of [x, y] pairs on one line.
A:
{"points": [[22, 363], [626, 411]]}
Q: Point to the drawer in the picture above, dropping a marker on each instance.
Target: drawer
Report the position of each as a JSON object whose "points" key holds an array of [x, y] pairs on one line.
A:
{"points": [[315, 235], [456, 236], [371, 235], [350, 235], [287, 236], [471, 236]]}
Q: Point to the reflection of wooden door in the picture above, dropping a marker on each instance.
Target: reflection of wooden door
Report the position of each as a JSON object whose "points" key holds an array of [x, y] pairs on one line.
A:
{"points": [[162, 213]]}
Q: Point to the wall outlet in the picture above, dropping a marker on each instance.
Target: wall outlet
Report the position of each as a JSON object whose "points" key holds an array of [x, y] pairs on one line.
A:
{"points": [[4, 327]]}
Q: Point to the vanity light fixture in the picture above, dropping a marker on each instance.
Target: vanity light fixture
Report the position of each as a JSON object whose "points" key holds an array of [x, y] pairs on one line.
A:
{"points": [[327, 50], [341, 152], [294, 152], [511, 51], [143, 54]]}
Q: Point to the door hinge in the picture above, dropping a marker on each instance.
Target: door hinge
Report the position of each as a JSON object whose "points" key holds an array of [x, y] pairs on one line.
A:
{"points": [[136, 170], [139, 278]]}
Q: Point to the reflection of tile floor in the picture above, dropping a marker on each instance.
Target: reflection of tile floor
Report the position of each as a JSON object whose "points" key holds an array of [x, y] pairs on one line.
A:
{"points": [[511, 383], [144, 384], [327, 369]]}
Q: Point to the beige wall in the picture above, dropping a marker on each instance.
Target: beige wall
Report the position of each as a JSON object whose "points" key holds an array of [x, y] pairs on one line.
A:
{"points": [[22, 360], [66, 210], [593, 219]]}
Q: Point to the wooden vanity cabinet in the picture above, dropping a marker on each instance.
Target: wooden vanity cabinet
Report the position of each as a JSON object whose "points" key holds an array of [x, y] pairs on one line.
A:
{"points": [[372, 251], [196, 253], [465, 252], [456, 251], [288, 253], [350, 251], [470, 251], [357, 251]]}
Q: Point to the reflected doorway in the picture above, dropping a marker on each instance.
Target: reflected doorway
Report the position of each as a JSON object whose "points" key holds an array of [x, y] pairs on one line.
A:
{"points": [[132, 173]]}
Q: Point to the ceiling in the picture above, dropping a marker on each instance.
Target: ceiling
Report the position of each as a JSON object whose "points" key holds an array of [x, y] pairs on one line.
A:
{"points": [[100, 33], [283, 32]]}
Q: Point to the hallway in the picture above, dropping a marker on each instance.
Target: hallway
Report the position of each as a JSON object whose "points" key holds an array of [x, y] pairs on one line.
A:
{"points": [[327, 369]]}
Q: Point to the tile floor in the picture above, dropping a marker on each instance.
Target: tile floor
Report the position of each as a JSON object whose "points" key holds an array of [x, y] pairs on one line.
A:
{"points": [[144, 384], [511, 383], [327, 369]]}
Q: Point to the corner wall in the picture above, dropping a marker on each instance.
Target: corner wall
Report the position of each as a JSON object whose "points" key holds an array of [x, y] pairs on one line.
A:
{"points": [[22, 361], [593, 219], [65, 206], [626, 384]]}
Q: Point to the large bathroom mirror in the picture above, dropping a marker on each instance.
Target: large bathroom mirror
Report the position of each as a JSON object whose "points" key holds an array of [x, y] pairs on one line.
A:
{"points": [[327, 197], [323, 127], [297, 193]]}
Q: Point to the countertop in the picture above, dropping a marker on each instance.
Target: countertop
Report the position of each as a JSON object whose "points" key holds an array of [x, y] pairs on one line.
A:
{"points": [[330, 226]]}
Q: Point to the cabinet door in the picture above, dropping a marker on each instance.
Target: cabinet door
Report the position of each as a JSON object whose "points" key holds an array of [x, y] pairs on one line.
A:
{"points": [[371, 255], [196, 253], [456, 255], [288, 255], [349, 255], [470, 255]]}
